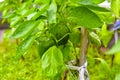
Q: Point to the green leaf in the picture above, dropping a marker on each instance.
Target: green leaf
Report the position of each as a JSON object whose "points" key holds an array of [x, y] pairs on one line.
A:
{"points": [[9, 15], [115, 49], [25, 5], [115, 6], [90, 5], [60, 31], [43, 44], [52, 62], [14, 20], [106, 17], [97, 8], [22, 12], [67, 51], [24, 28], [105, 67], [30, 16], [25, 12], [1, 6], [41, 26], [105, 35], [97, 1], [117, 58], [7, 34], [41, 11], [24, 46], [4, 12], [75, 37], [86, 17], [52, 12], [42, 1], [94, 38]]}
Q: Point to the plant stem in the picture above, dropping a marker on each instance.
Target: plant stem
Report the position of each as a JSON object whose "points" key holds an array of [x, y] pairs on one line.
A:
{"points": [[84, 44], [83, 52]]}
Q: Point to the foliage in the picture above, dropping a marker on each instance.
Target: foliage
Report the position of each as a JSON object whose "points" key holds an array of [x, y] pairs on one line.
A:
{"points": [[53, 25], [52, 62], [29, 68]]}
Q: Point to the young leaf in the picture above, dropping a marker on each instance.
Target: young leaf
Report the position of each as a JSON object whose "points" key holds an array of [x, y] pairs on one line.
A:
{"points": [[86, 17], [52, 12], [24, 46], [105, 35], [115, 48], [94, 38], [52, 61], [60, 31], [24, 28], [115, 5]]}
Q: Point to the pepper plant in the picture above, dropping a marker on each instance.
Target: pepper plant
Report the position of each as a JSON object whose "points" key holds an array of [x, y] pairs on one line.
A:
{"points": [[62, 30]]}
